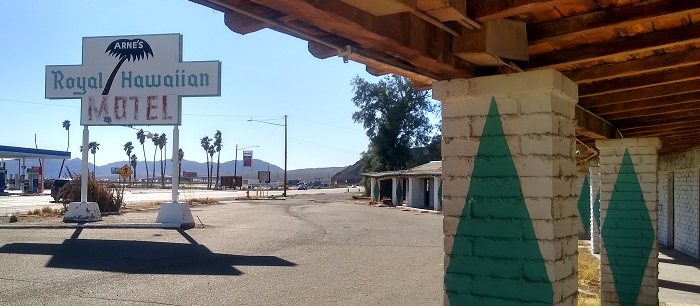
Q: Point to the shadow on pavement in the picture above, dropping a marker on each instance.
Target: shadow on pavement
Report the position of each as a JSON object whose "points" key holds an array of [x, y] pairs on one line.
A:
{"points": [[679, 286], [141, 257], [678, 258]]}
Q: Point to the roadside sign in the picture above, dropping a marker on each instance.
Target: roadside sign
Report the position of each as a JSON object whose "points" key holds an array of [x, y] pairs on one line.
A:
{"points": [[115, 170], [125, 171]]}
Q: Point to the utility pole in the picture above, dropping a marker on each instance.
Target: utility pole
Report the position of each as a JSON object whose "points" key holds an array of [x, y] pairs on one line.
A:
{"points": [[284, 193]]}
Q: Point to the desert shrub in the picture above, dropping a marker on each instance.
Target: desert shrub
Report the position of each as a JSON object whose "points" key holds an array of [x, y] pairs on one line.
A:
{"points": [[105, 196], [202, 201]]}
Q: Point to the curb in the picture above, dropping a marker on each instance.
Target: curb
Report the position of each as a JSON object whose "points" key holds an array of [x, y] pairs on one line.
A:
{"points": [[91, 225]]}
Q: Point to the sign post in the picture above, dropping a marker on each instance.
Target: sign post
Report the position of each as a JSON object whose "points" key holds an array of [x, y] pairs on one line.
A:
{"points": [[130, 81]]}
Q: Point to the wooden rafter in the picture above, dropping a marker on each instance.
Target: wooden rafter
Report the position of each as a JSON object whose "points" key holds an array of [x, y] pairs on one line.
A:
{"points": [[660, 109], [640, 94], [640, 81], [610, 19], [485, 10], [618, 47], [634, 106]]}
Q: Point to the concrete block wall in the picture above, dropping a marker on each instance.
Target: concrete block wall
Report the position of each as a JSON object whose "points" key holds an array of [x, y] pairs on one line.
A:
{"points": [[509, 198], [416, 192], [628, 211], [685, 199], [663, 191], [681, 201]]}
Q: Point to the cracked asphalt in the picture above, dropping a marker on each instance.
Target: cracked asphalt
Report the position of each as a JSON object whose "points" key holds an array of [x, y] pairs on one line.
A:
{"points": [[311, 249]]}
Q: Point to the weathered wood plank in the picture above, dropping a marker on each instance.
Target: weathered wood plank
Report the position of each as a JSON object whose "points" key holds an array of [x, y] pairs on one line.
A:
{"points": [[610, 19], [591, 126], [485, 10], [641, 81], [634, 106], [688, 117], [618, 47], [640, 94], [661, 109]]}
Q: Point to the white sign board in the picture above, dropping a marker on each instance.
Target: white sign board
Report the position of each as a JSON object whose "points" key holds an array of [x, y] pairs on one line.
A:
{"points": [[133, 80]]}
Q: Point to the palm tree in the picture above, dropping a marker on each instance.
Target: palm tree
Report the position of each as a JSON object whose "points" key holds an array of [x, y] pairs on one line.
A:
{"points": [[141, 136], [162, 141], [93, 146], [133, 160], [66, 125], [128, 148], [180, 156], [217, 147], [205, 143], [211, 166], [156, 140]]}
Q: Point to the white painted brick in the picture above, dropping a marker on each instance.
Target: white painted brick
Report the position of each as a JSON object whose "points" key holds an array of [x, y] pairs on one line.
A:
{"points": [[532, 124]]}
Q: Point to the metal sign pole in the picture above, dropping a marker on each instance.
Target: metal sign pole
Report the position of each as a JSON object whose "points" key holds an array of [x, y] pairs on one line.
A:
{"points": [[175, 164], [85, 173]]}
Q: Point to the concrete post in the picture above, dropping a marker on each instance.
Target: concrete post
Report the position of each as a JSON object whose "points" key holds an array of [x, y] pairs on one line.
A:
{"points": [[583, 186], [509, 195], [398, 190], [416, 192], [373, 191], [595, 209], [629, 221], [437, 193]]}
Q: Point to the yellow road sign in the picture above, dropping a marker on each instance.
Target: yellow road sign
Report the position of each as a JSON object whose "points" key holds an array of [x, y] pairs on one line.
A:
{"points": [[125, 171]]}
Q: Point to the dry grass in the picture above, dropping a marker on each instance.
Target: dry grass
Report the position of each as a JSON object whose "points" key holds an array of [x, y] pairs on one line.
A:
{"points": [[45, 211], [588, 276], [200, 201]]}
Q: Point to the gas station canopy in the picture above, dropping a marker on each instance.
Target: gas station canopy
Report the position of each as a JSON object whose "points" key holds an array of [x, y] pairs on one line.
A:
{"points": [[19, 152]]}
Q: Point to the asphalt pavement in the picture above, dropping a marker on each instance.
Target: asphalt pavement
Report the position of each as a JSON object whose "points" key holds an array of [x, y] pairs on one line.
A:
{"points": [[321, 249]]}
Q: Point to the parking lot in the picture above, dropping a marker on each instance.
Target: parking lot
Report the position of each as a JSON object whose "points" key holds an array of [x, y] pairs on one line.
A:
{"points": [[325, 249]]}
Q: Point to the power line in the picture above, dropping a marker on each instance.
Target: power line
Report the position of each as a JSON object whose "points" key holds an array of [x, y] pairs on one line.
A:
{"points": [[39, 103]]}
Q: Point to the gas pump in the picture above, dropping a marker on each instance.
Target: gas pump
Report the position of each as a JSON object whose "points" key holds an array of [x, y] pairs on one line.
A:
{"points": [[3, 174], [32, 180]]}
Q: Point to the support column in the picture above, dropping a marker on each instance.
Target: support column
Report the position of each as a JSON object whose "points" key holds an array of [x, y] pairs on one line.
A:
{"points": [[416, 192], [83, 211], [175, 213], [584, 204], [437, 193], [398, 190], [509, 195], [629, 221], [594, 174], [373, 191]]}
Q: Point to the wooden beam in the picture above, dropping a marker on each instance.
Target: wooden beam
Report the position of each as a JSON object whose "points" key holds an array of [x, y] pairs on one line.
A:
{"points": [[661, 109], [618, 47], [428, 48], [690, 117], [592, 126], [610, 19], [322, 51], [242, 24], [684, 132], [486, 10], [640, 94], [635, 67], [669, 126], [641, 81], [634, 106]]}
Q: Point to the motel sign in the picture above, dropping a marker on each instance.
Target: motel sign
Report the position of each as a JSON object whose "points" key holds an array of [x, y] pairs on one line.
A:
{"points": [[133, 80]]}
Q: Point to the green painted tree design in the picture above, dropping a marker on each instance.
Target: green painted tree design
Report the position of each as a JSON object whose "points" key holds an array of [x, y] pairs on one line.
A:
{"points": [[376, 191], [495, 258], [628, 234], [584, 203]]}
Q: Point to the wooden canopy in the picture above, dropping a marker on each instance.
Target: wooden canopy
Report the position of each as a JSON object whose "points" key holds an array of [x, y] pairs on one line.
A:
{"points": [[636, 62]]}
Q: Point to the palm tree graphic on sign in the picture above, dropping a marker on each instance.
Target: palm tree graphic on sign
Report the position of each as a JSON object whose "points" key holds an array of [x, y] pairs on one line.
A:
{"points": [[126, 49]]}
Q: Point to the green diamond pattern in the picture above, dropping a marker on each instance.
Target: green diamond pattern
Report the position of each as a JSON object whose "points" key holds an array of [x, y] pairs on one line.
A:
{"points": [[628, 234], [376, 191], [440, 193], [596, 210], [584, 205], [495, 259]]}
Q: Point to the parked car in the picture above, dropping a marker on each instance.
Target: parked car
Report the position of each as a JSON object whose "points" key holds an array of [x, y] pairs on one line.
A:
{"points": [[56, 186], [301, 187]]}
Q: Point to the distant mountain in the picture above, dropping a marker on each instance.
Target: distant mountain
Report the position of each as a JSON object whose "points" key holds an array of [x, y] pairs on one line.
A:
{"points": [[351, 174], [74, 165]]}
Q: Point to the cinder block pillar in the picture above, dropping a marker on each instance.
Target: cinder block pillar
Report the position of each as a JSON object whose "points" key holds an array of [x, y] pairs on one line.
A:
{"points": [[416, 192], [629, 221], [398, 191], [583, 185], [509, 198], [373, 190], [595, 209]]}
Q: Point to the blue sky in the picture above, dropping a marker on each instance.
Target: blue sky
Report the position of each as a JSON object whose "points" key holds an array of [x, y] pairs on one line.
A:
{"points": [[265, 75]]}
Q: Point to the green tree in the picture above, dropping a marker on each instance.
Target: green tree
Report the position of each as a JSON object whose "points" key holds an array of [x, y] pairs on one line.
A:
{"points": [[66, 125], [93, 147], [205, 142], [128, 148], [395, 116], [162, 141], [155, 140], [134, 162], [211, 152], [141, 136], [217, 148], [180, 157]]}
